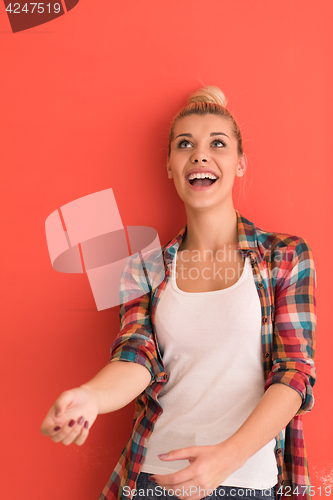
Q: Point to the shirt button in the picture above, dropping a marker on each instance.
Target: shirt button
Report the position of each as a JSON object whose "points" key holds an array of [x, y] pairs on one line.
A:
{"points": [[260, 285], [252, 261], [278, 451], [264, 319], [266, 355], [149, 427]]}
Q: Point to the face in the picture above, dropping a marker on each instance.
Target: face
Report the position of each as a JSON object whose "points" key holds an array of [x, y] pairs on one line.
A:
{"points": [[204, 143]]}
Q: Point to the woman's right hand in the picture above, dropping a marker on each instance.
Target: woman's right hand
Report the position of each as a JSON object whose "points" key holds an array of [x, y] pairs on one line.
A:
{"points": [[71, 416]]}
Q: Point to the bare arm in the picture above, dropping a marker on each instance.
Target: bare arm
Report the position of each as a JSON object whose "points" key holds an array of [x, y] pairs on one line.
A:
{"points": [[74, 412], [117, 384], [274, 411], [133, 364]]}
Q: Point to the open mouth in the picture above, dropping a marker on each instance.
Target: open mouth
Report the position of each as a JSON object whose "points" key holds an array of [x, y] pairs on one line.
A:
{"points": [[202, 182]]}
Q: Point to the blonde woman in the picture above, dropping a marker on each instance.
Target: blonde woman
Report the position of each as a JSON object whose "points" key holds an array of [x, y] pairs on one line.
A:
{"points": [[219, 354]]}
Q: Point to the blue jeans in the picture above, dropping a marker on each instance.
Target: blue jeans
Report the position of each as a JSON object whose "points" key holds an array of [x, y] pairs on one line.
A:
{"points": [[152, 491]]}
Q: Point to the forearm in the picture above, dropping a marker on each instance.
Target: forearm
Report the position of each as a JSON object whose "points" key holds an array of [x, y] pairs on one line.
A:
{"points": [[274, 411], [117, 384]]}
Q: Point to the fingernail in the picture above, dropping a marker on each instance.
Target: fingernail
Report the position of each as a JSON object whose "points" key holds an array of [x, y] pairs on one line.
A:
{"points": [[81, 420], [86, 424], [57, 428], [163, 455], [71, 423], [152, 478]]}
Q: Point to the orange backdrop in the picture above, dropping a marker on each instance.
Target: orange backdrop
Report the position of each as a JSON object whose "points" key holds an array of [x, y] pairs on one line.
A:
{"points": [[86, 103]]}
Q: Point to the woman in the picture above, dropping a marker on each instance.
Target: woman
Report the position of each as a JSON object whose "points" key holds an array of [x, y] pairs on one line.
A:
{"points": [[223, 369]]}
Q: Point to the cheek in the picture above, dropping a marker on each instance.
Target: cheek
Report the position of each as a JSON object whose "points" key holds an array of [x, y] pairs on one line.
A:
{"points": [[177, 170]]}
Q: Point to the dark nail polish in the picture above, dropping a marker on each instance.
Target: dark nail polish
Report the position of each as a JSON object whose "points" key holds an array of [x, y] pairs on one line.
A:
{"points": [[152, 478], [71, 423], [57, 428], [81, 420], [86, 424]]}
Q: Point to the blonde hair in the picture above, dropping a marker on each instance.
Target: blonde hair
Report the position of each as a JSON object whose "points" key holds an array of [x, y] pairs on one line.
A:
{"points": [[206, 100]]}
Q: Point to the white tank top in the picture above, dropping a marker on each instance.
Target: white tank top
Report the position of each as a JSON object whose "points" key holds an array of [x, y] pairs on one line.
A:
{"points": [[211, 348]]}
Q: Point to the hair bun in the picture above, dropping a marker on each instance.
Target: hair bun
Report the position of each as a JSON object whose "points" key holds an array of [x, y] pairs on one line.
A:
{"points": [[208, 94]]}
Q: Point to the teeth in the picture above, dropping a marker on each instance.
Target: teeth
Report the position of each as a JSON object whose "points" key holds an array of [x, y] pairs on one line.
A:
{"points": [[201, 176]]}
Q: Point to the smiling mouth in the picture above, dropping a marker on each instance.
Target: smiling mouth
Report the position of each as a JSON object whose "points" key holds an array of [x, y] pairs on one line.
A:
{"points": [[202, 182]]}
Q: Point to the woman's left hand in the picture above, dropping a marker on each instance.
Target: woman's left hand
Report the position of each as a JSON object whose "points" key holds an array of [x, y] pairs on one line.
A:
{"points": [[209, 467]]}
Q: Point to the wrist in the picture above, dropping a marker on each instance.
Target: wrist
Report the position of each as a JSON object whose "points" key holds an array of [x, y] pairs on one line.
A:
{"points": [[93, 394], [235, 450]]}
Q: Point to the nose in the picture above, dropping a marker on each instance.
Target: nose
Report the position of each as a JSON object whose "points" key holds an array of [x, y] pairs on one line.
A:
{"points": [[199, 157]]}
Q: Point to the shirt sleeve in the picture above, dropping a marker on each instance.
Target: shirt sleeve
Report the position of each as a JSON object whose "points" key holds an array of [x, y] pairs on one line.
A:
{"points": [[135, 342], [295, 324]]}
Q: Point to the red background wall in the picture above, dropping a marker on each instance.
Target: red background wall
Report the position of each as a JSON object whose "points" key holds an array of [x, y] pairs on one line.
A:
{"points": [[86, 103]]}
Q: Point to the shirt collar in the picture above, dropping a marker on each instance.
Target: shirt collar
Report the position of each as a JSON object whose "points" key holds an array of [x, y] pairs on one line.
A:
{"points": [[247, 238]]}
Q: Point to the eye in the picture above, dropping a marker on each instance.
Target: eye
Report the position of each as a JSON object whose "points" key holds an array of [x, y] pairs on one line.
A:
{"points": [[183, 143], [220, 143]]}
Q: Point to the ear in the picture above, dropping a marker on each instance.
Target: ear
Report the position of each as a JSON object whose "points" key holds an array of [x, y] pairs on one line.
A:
{"points": [[242, 165], [169, 171]]}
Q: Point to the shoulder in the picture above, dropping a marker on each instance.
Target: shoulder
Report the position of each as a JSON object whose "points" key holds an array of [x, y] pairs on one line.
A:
{"points": [[288, 257], [268, 243], [285, 244]]}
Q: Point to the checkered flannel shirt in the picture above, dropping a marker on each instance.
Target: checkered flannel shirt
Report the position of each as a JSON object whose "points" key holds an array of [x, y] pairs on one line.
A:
{"points": [[285, 279]]}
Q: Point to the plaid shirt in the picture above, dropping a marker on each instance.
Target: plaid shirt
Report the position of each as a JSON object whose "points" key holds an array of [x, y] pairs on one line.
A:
{"points": [[285, 279]]}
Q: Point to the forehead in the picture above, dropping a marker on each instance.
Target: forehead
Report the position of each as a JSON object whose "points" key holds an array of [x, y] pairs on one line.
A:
{"points": [[202, 124]]}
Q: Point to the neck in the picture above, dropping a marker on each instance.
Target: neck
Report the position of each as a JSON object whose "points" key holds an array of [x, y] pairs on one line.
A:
{"points": [[210, 229]]}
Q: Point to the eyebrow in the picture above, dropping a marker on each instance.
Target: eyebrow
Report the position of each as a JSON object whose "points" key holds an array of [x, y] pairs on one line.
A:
{"points": [[211, 135]]}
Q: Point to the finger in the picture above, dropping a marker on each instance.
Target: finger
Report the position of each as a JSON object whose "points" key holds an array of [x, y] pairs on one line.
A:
{"points": [[62, 432], [76, 429], [187, 493], [181, 454], [176, 479], [83, 435], [191, 490], [47, 426], [73, 434], [187, 489], [55, 415], [64, 401]]}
